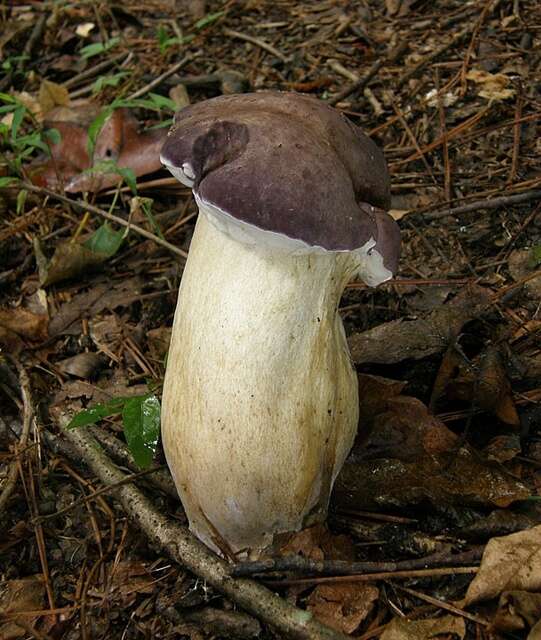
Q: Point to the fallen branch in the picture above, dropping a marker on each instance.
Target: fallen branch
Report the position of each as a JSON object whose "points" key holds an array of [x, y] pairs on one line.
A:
{"points": [[300, 564], [182, 547], [489, 203]]}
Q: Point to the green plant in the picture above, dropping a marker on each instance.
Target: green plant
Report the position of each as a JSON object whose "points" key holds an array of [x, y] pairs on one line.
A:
{"points": [[94, 49], [140, 422], [17, 145]]}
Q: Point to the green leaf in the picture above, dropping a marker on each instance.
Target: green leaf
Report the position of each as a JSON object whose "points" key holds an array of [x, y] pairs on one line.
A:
{"points": [[96, 48], [108, 81], [97, 413], [535, 256], [95, 128], [7, 180], [105, 240], [53, 136], [141, 418], [18, 116], [212, 17], [21, 199], [162, 102]]}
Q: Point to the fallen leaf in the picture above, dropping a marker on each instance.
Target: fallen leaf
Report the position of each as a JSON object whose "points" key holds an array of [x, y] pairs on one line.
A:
{"points": [[25, 323], [404, 629], [510, 563], [25, 594], [520, 266], [494, 86], [52, 95], [83, 365], [454, 479], [517, 611], [342, 606], [318, 543], [404, 339]]}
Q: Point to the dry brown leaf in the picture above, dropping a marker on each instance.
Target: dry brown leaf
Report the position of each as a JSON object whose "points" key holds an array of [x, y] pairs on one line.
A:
{"points": [[456, 479], [69, 260], [517, 611], [404, 629], [83, 365], [342, 606], [404, 339], [494, 86], [26, 594], [25, 323], [511, 563], [52, 95]]}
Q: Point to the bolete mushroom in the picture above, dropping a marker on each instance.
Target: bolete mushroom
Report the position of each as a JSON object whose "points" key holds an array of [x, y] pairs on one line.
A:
{"points": [[260, 401]]}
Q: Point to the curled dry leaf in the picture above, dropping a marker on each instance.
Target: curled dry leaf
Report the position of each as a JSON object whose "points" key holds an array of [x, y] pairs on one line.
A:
{"points": [[119, 140], [517, 611], [511, 563], [342, 606], [404, 629], [493, 86]]}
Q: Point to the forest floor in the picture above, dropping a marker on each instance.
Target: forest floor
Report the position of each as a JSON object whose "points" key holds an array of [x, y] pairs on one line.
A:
{"points": [[435, 522]]}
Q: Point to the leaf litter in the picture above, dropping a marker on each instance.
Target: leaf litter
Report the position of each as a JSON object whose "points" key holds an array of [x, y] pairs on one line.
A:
{"points": [[448, 455]]}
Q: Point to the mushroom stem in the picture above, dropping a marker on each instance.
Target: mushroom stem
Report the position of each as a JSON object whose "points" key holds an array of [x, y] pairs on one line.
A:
{"points": [[260, 400]]}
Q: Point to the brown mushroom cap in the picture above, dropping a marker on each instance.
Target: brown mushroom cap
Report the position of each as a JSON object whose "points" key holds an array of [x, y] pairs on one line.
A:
{"points": [[289, 164]]}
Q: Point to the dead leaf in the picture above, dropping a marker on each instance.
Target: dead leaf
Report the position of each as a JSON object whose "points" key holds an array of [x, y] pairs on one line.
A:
{"points": [[494, 86], [69, 260], [404, 629], [463, 480], [517, 611], [25, 323], [342, 606], [83, 365], [89, 303], [404, 429], [118, 140], [25, 594], [52, 95], [318, 543], [403, 339], [511, 563], [520, 267]]}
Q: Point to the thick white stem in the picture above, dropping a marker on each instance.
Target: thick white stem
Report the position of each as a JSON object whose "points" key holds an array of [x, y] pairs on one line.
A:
{"points": [[260, 402]]}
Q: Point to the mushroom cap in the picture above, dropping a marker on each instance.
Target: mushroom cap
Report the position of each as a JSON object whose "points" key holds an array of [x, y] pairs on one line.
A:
{"points": [[289, 164]]}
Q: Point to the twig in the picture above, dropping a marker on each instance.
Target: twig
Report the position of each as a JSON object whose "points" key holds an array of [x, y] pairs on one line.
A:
{"points": [[120, 452], [490, 203], [94, 70], [182, 547], [98, 492], [372, 577], [430, 58], [104, 214], [444, 605], [301, 564], [154, 83], [360, 84], [28, 415], [258, 43]]}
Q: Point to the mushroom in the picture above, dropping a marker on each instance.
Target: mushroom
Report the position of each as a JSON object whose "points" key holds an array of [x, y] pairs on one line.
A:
{"points": [[260, 399]]}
